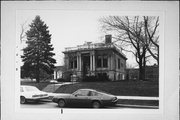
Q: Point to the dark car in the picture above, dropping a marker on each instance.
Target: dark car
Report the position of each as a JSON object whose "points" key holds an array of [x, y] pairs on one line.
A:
{"points": [[86, 97]]}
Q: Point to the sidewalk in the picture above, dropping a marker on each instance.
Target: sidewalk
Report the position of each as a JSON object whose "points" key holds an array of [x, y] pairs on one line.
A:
{"points": [[137, 98]]}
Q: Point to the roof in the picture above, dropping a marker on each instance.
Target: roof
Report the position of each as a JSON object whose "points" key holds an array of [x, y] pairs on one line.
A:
{"points": [[95, 46]]}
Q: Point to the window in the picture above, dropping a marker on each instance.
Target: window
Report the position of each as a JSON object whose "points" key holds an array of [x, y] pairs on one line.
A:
{"points": [[102, 61], [21, 89], [122, 65], [82, 93], [99, 61], [31, 89], [118, 63], [73, 62], [92, 93], [105, 61]]}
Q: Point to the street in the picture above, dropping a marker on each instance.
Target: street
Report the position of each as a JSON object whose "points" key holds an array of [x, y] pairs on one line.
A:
{"points": [[49, 104]]}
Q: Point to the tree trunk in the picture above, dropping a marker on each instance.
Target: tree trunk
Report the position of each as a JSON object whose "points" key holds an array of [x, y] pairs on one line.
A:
{"points": [[142, 64], [37, 72], [37, 75], [140, 70], [141, 73]]}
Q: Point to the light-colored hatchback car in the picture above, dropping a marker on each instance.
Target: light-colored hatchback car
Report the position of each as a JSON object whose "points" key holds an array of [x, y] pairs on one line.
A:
{"points": [[31, 93]]}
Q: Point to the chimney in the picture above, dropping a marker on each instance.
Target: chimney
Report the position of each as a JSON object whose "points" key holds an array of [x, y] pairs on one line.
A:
{"points": [[108, 39]]}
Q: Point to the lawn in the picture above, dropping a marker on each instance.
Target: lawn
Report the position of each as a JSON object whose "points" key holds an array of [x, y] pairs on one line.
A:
{"points": [[124, 88]]}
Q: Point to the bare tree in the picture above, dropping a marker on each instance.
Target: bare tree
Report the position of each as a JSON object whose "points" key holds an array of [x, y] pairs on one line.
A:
{"points": [[151, 41], [133, 36], [23, 30]]}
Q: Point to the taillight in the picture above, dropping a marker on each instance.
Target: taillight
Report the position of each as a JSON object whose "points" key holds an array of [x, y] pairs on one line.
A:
{"points": [[114, 99]]}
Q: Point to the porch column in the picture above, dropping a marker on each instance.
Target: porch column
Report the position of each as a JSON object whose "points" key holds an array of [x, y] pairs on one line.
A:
{"points": [[80, 65], [91, 63], [55, 74], [93, 56], [77, 62]]}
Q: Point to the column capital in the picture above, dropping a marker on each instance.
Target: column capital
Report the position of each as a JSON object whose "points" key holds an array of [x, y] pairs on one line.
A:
{"points": [[92, 52]]}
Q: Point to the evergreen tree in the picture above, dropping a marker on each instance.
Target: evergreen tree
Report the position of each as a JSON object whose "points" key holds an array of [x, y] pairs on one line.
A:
{"points": [[38, 55]]}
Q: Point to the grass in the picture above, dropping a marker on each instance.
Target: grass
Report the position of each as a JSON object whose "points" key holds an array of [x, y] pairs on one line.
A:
{"points": [[124, 88]]}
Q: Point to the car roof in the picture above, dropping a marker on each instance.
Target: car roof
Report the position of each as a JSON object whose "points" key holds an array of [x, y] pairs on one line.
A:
{"points": [[99, 91], [88, 89]]}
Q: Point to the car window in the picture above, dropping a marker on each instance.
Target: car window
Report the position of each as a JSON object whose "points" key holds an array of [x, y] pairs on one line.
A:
{"points": [[82, 93], [31, 89], [21, 89], [92, 93]]}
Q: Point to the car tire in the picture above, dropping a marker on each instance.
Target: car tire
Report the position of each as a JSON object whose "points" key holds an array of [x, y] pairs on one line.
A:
{"points": [[61, 103], [96, 104], [22, 100]]}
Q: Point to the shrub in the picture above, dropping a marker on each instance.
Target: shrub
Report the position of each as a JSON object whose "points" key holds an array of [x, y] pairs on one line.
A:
{"points": [[96, 79]]}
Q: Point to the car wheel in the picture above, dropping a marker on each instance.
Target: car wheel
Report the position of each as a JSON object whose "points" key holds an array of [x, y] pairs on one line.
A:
{"points": [[22, 100], [61, 103], [96, 104]]}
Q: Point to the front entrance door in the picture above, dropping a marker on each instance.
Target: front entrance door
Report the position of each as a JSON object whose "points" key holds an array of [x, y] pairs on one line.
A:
{"points": [[86, 64]]}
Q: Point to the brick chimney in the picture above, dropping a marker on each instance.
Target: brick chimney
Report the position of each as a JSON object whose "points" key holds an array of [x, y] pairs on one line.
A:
{"points": [[108, 39]]}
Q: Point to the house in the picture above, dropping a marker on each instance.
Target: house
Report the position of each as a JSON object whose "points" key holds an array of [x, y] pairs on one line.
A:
{"points": [[58, 72], [151, 73], [98, 59]]}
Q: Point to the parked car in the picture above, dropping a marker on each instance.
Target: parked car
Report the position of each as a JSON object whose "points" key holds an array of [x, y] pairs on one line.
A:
{"points": [[31, 93], [53, 81], [86, 97]]}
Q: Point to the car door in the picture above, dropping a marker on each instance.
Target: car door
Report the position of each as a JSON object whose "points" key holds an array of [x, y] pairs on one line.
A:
{"points": [[81, 98]]}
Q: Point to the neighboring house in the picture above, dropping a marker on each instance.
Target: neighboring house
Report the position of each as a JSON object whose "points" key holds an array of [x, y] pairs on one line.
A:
{"points": [[151, 73], [98, 59], [132, 74], [58, 72]]}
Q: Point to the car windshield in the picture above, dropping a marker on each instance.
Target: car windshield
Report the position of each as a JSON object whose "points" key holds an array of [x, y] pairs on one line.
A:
{"points": [[31, 89]]}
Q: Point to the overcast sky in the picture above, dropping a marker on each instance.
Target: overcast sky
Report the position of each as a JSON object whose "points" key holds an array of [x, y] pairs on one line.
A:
{"points": [[68, 28]]}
